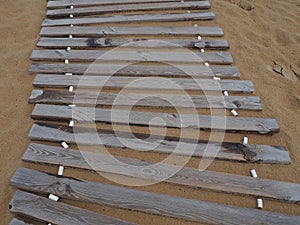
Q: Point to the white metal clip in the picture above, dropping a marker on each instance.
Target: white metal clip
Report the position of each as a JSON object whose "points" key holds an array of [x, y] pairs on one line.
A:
{"points": [[64, 145], [234, 113], [60, 170], [259, 203], [71, 124], [253, 173], [53, 197]]}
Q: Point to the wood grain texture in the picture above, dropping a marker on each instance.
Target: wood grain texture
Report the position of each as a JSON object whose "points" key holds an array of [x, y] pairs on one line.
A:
{"points": [[159, 144], [132, 43], [40, 208], [142, 201], [209, 180], [100, 10], [145, 100], [138, 70], [60, 55], [88, 3], [114, 82], [103, 31], [175, 17], [220, 123]]}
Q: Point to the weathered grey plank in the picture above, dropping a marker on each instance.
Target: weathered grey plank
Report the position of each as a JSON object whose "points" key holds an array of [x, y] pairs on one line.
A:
{"points": [[114, 82], [145, 100], [209, 180], [88, 3], [142, 201], [86, 114], [18, 222], [100, 10], [133, 43], [102, 56], [40, 208], [226, 151], [102, 31], [130, 19], [195, 71]]}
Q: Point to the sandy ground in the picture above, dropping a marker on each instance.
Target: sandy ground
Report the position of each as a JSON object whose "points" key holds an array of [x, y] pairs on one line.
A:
{"points": [[264, 39]]}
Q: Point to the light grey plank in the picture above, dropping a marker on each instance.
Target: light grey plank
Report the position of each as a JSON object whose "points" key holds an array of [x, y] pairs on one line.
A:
{"points": [[221, 123], [18, 222], [100, 10], [88, 3], [58, 81], [194, 71], [102, 56], [145, 100], [40, 208], [175, 17], [103, 31], [170, 44]]}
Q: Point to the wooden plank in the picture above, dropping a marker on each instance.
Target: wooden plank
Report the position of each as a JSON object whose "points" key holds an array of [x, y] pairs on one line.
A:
{"points": [[103, 31], [224, 58], [195, 71], [114, 82], [166, 145], [148, 100], [132, 43], [40, 208], [208, 180], [100, 10], [18, 222], [132, 56], [175, 17], [203, 122], [87, 3], [147, 202]]}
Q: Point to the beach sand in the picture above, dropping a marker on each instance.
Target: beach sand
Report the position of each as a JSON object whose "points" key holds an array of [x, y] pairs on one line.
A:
{"points": [[264, 38]]}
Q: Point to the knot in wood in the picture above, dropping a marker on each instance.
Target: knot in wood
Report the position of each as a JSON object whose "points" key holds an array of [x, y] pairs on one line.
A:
{"points": [[62, 188], [100, 41]]}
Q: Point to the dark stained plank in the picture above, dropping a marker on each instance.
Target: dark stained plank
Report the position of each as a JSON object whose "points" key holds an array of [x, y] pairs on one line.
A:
{"points": [[226, 151], [100, 10], [145, 100], [114, 82], [41, 208], [133, 43], [88, 3], [195, 71], [142, 201], [86, 114], [209, 180], [102, 56], [102, 31], [175, 17]]}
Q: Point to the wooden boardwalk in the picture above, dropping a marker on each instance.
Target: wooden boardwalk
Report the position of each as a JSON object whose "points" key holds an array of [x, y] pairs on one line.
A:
{"points": [[87, 45]]}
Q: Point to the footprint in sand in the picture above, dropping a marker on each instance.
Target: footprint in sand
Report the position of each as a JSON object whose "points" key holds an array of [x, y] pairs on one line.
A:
{"points": [[244, 4], [286, 71]]}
